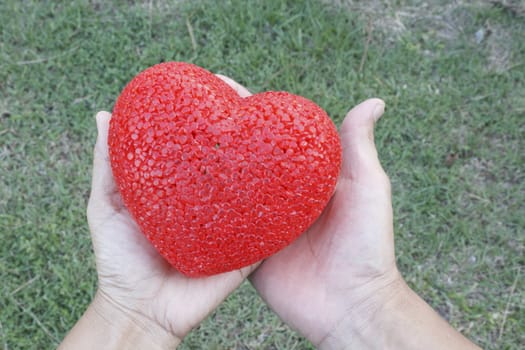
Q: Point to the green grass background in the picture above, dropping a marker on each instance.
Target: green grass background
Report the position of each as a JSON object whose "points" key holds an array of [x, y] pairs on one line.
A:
{"points": [[452, 140]]}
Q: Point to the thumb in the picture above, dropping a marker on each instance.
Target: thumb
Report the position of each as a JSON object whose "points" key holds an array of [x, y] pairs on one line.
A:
{"points": [[360, 160], [102, 184], [241, 90]]}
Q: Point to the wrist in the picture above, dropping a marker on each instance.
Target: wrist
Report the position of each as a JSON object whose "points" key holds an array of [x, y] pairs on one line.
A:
{"points": [[130, 328], [105, 325], [399, 319], [408, 322], [362, 327]]}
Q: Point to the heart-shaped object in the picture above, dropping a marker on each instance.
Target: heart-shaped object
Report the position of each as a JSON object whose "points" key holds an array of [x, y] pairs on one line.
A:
{"points": [[215, 181]]}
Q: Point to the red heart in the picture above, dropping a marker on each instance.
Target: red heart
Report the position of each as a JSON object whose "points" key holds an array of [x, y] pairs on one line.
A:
{"points": [[215, 181]]}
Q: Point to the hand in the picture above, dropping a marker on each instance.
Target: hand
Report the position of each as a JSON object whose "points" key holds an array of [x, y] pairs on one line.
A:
{"points": [[342, 269], [338, 283], [136, 284]]}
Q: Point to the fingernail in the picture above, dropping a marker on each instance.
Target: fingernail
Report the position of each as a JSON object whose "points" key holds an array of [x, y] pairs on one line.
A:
{"points": [[101, 117], [378, 111]]}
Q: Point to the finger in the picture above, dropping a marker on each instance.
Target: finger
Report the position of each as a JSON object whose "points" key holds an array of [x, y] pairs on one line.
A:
{"points": [[360, 160], [102, 185], [245, 272], [241, 90], [236, 277]]}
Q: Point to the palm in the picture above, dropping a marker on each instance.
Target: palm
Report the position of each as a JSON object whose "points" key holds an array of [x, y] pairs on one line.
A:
{"points": [[132, 274]]}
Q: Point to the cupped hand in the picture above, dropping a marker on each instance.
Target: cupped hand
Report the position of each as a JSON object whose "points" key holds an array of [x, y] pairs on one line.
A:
{"points": [[342, 269], [133, 278]]}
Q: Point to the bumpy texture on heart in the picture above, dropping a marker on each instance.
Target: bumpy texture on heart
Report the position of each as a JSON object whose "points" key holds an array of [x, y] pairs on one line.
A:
{"points": [[215, 181]]}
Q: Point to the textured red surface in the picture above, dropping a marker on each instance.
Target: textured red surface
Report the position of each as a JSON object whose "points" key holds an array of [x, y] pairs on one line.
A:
{"points": [[215, 181]]}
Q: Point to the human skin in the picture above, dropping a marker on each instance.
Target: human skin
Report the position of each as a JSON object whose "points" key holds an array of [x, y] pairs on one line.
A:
{"points": [[337, 284]]}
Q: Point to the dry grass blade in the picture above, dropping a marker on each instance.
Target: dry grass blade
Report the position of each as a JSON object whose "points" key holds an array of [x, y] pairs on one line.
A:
{"points": [[367, 44], [505, 313], [36, 319], [192, 36], [24, 285], [46, 59]]}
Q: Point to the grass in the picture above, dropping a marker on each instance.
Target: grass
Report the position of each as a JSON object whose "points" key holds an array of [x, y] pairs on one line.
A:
{"points": [[451, 141]]}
